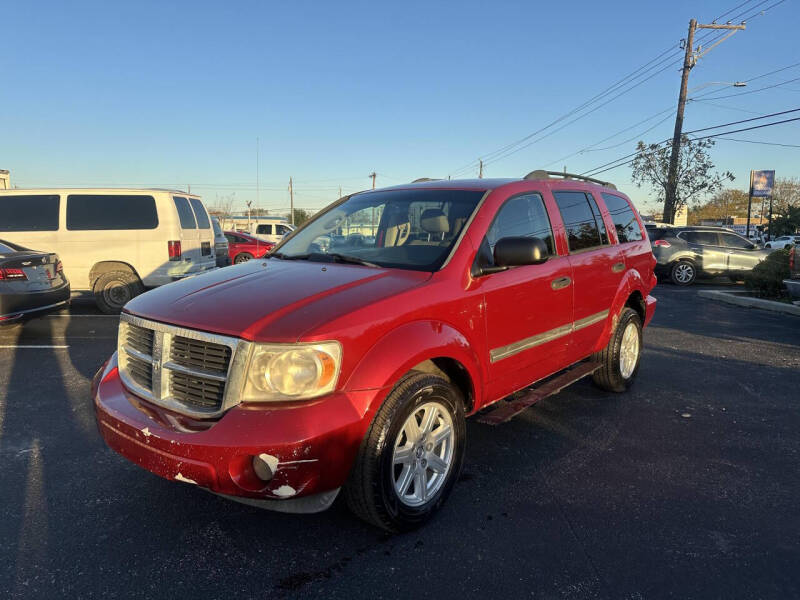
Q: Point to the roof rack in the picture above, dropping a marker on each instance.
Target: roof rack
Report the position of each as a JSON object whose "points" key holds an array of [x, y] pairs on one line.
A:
{"points": [[421, 179], [540, 174]]}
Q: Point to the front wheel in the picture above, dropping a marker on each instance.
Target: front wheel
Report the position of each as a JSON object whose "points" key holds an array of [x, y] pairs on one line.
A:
{"points": [[620, 358], [243, 257], [411, 456]]}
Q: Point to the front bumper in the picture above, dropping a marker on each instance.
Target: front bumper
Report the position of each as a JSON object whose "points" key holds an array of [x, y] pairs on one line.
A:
{"points": [[21, 305], [313, 443]]}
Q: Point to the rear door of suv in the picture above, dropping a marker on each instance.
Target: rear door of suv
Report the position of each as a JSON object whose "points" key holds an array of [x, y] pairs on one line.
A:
{"points": [[597, 267]]}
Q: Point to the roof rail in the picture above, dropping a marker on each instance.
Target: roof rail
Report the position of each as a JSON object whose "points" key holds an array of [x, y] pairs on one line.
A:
{"points": [[540, 174], [421, 179]]}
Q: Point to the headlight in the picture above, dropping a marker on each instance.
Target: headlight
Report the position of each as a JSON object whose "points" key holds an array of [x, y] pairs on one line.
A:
{"points": [[292, 371]]}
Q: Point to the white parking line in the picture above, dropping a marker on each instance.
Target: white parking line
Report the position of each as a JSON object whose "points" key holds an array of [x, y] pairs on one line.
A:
{"points": [[37, 347]]}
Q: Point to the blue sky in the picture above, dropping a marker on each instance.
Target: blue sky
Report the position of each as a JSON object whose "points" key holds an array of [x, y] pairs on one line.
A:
{"points": [[146, 93]]}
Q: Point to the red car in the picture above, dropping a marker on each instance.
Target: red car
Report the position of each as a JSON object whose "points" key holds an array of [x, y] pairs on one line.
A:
{"points": [[349, 362], [243, 247]]}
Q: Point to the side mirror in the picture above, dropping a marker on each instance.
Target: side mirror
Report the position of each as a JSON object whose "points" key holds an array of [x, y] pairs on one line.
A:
{"points": [[518, 251]]}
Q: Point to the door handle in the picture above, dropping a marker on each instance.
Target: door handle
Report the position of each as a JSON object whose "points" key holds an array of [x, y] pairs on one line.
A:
{"points": [[560, 283], [618, 267]]}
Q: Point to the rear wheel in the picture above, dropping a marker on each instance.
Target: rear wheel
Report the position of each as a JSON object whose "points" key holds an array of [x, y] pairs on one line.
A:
{"points": [[620, 358], [683, 272], [242, 257], [411, 456], [113, 289]]}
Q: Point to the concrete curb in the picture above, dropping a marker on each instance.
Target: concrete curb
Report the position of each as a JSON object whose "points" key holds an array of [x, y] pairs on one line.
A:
{"points": [[746, 301]]}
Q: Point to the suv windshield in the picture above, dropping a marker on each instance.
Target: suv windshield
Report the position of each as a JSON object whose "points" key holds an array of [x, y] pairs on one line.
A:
{"points": [[403, 229]]}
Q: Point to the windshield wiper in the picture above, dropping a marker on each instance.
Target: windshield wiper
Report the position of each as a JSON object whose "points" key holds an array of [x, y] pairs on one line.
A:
{"points": [[352, 260]]}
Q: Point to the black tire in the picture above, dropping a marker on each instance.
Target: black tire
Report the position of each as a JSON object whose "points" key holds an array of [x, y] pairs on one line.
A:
{"points": [[370, 490], [683, 272], [609, 377], [113, 289], [242, 257], [767, 245]]}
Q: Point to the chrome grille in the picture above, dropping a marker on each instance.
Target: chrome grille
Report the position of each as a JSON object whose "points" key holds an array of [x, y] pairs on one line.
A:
{"points": [[191, 372], [199, 354], [140, 339]]}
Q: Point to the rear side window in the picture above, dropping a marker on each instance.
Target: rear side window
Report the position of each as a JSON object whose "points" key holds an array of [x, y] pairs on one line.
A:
{"points": [[200, 213], [264, 229], [584, 227], [282, 229], [522, 216], [624, 219], [91, 212], [29, 213], [185, 213], [704, 238]]}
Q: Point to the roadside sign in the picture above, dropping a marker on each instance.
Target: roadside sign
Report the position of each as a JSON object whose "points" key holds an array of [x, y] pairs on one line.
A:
{"points": [[761, 183]]}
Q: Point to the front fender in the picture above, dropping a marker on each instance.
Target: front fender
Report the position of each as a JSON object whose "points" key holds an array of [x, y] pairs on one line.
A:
{"points": [[405, 347]]}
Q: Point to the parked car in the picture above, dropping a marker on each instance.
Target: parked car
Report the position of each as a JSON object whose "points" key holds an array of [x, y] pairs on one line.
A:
{"points": [[273, 231], [283, 381], [114, 242], [221, 247], [243, 247], [793, 283], [31, 283], [784, 241], [685, 253]]}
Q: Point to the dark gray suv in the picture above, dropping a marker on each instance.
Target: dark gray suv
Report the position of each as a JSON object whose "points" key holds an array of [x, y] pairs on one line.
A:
{"points": [[685, 253]]}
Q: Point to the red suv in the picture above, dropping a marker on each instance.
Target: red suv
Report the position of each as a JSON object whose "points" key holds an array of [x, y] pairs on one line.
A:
{"points": [[349, 359], [243, 247]]}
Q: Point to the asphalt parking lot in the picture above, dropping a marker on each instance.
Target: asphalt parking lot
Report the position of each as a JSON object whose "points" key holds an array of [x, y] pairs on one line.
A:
{"points": [[685, 487]]}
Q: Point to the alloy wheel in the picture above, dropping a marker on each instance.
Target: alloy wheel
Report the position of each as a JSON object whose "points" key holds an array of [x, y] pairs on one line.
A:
{"points": [[423, 454], [629, 350]]}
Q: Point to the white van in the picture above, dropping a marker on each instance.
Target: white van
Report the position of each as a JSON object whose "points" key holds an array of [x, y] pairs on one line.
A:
{"points": [[113, 242], [271, 231]]}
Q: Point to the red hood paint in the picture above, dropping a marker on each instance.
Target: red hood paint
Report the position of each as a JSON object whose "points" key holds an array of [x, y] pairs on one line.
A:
{"points": [[270, 300]]}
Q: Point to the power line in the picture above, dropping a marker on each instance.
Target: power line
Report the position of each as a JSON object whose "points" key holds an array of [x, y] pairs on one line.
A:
{"points": [[759, 142]]}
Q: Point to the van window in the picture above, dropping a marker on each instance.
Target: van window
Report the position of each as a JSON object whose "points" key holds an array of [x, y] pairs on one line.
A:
{"points": [[264, 230], [29, 213], [100, 211], [185, 213], [625, 222], [522, 216], [200, 213], [580, 221]]}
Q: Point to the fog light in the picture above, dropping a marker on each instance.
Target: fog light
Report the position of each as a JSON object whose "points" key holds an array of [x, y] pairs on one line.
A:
{"points": [[265, 466]]}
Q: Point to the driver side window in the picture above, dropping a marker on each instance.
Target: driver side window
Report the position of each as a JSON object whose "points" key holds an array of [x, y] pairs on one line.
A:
{"points": [[522, 216]]}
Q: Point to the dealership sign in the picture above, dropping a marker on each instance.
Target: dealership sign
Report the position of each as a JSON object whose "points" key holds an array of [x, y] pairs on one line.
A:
{"points": [[761, 183]]}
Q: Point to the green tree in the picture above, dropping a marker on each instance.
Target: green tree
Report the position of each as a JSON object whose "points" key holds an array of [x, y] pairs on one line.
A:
{"points": [[696, 174], [786, 223], [725, 203], [300, 216]]}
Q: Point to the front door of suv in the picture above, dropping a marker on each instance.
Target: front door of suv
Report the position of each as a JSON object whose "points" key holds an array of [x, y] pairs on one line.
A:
{"points": [[742, 255], [529, 308]]}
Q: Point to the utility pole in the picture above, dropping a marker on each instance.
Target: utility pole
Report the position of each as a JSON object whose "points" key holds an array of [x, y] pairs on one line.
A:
{"points": [[291, 200], [258, 165], [249, 203], [372, 225], [480, 169], [689, 61], [373, 175], [340, 191]]}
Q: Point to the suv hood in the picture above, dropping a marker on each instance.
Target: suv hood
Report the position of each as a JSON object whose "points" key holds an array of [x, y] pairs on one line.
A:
{"points": [[271, 300]]}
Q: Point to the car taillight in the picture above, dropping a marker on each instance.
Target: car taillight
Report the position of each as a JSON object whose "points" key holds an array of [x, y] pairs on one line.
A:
{"points": [[662, 243], [792, 253], [174, 249], [59, 267], [15, 274]]}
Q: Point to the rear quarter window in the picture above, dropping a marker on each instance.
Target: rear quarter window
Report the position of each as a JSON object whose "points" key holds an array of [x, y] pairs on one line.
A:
{"points": [[185, 214], [29, 213], [200, 214], [92, 212], [625, 222]]}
